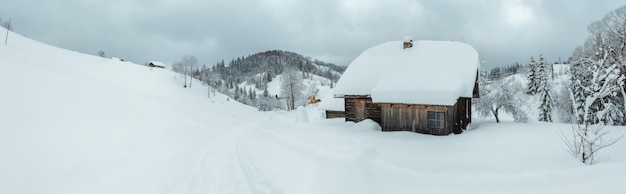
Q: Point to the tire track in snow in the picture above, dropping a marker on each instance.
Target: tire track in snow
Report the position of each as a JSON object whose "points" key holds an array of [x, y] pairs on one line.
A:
{"points": [[223, 168]]}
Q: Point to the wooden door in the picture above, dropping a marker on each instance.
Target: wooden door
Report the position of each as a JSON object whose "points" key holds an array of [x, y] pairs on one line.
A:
{"points": [[360, 109]]}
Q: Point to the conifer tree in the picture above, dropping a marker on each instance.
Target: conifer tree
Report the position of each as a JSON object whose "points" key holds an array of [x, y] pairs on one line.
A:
{"points": [[266, 93], [577, 86], [544, 91], [533, 81]]}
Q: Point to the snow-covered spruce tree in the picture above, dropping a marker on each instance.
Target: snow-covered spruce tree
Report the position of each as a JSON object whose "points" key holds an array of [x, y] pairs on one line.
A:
{"points": [[291, 87], [578, 81], [544, 91], [533, 80], [545, 108]]}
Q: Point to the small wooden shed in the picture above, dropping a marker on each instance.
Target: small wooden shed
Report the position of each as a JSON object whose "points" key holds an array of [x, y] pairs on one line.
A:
{"points": [[425, 88], [156, 64], [332, 107]]}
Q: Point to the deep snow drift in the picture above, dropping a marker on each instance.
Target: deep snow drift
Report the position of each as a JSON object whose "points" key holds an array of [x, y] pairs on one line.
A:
{"points": [[75, 123]]}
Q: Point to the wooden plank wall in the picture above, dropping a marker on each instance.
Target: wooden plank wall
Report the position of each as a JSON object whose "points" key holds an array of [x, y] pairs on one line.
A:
{"points": [[462, 114], [402, 117], [335, 114], [350, 109], [372, 110], [450, 125]]}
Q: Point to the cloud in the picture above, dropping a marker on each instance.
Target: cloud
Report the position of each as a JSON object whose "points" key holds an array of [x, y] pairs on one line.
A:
{"points": [[334, 31]]}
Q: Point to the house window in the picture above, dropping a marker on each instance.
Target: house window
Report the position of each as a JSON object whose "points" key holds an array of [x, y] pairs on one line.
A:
{"points": [[435, 120]]}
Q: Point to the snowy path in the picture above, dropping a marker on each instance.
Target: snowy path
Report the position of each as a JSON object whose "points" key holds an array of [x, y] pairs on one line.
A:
{"points": [[221, 167]]}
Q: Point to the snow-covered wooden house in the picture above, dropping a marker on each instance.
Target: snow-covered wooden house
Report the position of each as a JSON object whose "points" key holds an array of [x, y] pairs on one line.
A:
{"points": [[156, 64], [421, 86]]}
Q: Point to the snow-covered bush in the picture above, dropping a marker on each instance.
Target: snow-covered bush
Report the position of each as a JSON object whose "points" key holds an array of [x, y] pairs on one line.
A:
{"points": [[501, 95], [268, 103], [585, 141]]}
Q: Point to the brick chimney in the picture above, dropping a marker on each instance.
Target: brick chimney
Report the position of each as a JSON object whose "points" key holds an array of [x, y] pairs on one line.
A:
{"points": [[407, 42]]}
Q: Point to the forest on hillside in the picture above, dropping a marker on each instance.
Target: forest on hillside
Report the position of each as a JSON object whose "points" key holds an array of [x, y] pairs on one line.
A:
{"points": [[242, 77]]}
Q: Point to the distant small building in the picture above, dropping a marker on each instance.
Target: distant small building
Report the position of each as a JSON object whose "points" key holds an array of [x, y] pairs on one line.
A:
{"points": [[118, 59], [156, 64], [407, 42], [421, 86]]}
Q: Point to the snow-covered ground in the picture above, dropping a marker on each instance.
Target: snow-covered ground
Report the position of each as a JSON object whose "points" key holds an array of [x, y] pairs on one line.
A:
{"points": [[75, 123]]}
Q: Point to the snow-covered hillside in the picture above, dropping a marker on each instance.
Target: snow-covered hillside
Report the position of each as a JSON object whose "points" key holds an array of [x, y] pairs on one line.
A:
{"points": [[75, 123], [314, 81]]}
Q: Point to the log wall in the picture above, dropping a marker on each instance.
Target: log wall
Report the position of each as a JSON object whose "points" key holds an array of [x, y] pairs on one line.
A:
{"points": [[403, 117], [368, 111], [335, 114], [407, 117]]}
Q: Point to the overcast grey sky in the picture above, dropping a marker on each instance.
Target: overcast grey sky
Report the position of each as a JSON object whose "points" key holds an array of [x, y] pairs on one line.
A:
{"points": [[335, 31]]}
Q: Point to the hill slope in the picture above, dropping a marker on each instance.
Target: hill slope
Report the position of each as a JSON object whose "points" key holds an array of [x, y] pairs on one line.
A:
{"points": [[75, 123]]}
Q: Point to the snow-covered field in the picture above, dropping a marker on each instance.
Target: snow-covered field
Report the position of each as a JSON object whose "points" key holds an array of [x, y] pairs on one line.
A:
{"points": [[75, 123]]}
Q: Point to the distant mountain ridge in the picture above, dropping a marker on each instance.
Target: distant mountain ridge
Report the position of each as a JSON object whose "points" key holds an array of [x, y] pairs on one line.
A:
{"points": [[270, 64], [244, 77]]}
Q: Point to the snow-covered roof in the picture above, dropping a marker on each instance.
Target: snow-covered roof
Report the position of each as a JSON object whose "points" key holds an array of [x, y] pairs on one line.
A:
{"points": [[156, 63], [329, 102], [432, 72], [407, 39]]}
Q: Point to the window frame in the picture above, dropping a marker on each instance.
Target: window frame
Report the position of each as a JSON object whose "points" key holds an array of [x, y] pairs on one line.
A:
{"points": [[436, 120]]}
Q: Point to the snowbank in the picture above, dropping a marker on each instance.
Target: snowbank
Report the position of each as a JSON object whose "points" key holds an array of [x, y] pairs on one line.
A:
{"points": [[368, 124]]}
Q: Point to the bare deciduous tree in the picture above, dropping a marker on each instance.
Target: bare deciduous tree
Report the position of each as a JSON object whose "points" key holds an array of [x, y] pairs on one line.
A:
{"points": [[190, 63], [186, 66], [6, 24], [499, 94], [291, 87], [586, 140]]}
